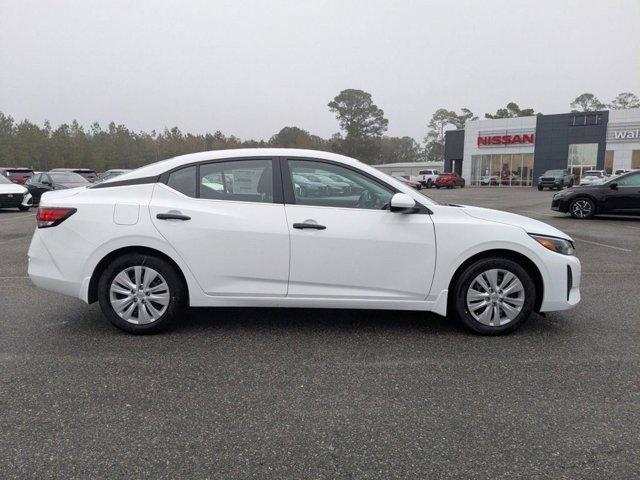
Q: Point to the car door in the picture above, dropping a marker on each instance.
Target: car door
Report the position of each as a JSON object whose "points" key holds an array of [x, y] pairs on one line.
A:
{"points": [[626, 196], [38, 187], [352, 246], [227, 222]]}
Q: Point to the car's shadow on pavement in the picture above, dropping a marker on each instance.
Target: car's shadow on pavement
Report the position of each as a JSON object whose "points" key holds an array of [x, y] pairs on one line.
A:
{"points": [[318, 321]]}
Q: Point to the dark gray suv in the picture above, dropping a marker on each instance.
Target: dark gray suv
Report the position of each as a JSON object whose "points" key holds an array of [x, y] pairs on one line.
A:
{"points": [[556, 179]]}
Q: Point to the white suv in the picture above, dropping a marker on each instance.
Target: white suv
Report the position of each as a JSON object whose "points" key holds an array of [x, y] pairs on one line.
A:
{"points": [[155, 240]]}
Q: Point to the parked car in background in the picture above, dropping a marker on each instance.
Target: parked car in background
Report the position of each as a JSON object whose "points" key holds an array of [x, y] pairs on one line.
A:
{"points": [[408, 182], [490, 180], [334, 187], [620, 171], [427, 178], [53, 180], [142, 246], [12, 195], [17, 175], [556, 179], [619, 195], [593, 177], [449, 180], [109, 174], [87, 173], [306, 188]]}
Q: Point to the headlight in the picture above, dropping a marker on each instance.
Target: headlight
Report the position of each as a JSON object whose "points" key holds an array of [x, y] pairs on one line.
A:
{"points": [[555, 244]]}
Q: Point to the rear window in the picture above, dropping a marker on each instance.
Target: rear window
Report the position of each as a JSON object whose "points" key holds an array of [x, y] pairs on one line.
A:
{"points": [[19, 173], [67, 177]]}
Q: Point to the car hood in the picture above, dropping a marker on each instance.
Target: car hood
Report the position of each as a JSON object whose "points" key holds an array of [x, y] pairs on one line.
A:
{"points": [[12, 188], [529, 225]]}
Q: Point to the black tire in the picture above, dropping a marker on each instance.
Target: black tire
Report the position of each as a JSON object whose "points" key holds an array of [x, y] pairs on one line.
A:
{"points": [[177, 292], [23, 208], [540, 187], [458, 304], [419, 187], [570, 183], [462, 186], [582, 208], [429, 183], [437, 187]]}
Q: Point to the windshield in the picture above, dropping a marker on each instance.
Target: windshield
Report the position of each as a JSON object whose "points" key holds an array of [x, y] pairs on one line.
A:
{"points": [[592, 174], [4, 180], [554, 172], [67, 177]]}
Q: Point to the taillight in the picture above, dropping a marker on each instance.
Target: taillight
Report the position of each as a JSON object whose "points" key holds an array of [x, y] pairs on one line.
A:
{"points": [[52, 216]]}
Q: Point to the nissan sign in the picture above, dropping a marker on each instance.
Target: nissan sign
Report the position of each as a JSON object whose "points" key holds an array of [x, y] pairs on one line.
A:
{"points": [[505, 139]]}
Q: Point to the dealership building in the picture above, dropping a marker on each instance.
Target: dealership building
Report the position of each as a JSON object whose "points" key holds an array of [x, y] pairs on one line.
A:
{"points": [[516, 151]]}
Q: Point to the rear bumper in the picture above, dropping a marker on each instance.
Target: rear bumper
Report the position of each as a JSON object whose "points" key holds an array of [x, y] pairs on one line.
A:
{"points": [[44, 271]]}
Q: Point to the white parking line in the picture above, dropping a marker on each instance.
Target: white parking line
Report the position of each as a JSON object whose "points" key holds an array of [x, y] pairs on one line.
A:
{"points": [[603, 245], [16, 276]]}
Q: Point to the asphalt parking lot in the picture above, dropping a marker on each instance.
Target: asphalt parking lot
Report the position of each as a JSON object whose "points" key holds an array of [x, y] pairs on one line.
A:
{"points": [[267, 393]]}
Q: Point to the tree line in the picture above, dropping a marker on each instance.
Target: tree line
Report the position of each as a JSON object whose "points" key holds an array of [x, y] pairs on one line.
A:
{"points": [[362, 135]]}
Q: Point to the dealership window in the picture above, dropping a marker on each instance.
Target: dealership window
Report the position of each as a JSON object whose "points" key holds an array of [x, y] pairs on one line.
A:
{"points": [[608, 161], [635, 160], [582, 157], [506, 170]]}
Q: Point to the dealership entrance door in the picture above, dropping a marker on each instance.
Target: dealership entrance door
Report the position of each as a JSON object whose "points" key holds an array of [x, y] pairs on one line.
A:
{"points": [[582, 157]]}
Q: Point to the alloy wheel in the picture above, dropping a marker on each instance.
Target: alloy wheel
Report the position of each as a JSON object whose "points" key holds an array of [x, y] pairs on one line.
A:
{"points": [[495, 297], [139, 295], [582, 208]]}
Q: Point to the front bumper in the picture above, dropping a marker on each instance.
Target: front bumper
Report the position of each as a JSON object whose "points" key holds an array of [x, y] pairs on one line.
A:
{"points": [[560, 204], [11, 200], [562, 286]]}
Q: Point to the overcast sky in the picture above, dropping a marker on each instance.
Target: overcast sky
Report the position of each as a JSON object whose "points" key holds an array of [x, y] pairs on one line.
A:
{"points": [[250, 67]]}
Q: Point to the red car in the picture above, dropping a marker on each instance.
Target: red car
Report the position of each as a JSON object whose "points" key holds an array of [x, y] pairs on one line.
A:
{"points": [[449, 180], [17, 175]]}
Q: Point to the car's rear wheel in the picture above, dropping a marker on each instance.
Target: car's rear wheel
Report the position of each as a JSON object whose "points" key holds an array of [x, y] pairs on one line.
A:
{"points": [[582, 208], [494, 296], [141, 293], [23, 208], [540, 187], [429, 183]]}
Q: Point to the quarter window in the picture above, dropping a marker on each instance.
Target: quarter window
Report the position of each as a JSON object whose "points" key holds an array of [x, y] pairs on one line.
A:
{"points": [[184, 181], [328, 185]]}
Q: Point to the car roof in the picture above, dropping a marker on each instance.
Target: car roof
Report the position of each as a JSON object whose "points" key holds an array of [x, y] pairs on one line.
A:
{"points": [[158, 168], [72, 170]]}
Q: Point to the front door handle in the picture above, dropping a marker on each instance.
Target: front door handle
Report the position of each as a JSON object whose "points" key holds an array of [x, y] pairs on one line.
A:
{"points": [[313, 226], [172, 216]]}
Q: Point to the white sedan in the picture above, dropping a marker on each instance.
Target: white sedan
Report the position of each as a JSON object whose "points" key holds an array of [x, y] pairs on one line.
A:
{"points": [[153, 241], [13, 195]]}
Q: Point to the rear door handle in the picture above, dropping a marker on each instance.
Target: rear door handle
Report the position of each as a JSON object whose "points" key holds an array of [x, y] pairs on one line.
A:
{"points": [[313, 226], [172, 216]]}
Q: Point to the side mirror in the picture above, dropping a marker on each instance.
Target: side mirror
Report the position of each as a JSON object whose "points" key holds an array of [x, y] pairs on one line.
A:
{"points": [[402, 203], [614, 186]]}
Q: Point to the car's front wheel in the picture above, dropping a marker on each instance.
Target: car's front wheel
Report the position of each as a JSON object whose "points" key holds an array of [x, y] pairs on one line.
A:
{"points": [[582, 208], [141, 293], [23, 208], [494, 296]]}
